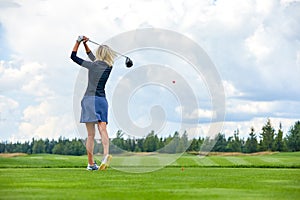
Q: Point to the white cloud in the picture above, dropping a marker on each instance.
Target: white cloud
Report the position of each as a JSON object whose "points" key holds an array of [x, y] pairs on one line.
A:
{"points": [[288, 2], [254, 45], [29, 103], [37, 87], [243, 110], [231, 90], [257, 123], [250, 107], [264, 7], [259, 44], [24, 77], [42, 121], [7, 103], [195, 114], [298, 61]]}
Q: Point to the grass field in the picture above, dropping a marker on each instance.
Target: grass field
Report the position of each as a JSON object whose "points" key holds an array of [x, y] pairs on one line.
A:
{"points": [[190, 177]]}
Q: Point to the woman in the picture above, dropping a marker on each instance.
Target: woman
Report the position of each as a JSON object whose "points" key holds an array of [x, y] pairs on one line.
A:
{"points": [[94, 107]]}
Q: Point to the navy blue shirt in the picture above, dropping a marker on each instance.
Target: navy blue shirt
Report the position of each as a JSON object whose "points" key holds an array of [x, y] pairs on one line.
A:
{"points": [[98, 73]]}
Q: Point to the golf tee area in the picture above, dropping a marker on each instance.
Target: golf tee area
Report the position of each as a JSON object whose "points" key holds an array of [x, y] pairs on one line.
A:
{"points": [[220, 176]]}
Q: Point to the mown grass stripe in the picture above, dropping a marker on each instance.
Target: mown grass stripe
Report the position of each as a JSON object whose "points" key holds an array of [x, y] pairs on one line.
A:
{"points": [[206, 161], [116, 161], [198, 159], [237, 160], [190, 162], [168, 160], [254, 160], [220, 160], [269, 159]]}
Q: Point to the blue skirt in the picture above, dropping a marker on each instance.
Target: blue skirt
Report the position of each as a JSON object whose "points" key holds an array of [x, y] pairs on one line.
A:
{"points": [[94, 109]]}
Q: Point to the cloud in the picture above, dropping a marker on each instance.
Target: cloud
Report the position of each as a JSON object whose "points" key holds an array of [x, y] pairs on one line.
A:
{"points": [[45, 121], [197, 113], [256, 49], [230, 90], [7, 103], [259, 45], [254, 45], [288, 2], [257, 123], [252, 107], [243, 110], [15, 75], [29, 103], [8, 4]]}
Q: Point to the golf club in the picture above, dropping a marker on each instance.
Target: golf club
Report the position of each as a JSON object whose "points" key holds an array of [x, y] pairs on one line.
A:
{"points": [[128, 61]]}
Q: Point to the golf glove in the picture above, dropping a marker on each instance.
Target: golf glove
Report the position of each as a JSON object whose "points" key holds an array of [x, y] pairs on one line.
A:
{"points": [[80, 38]]}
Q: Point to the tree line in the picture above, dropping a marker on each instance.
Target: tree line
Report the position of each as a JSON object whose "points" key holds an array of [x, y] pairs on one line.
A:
{"points": [[61, 146], [268, 139]]}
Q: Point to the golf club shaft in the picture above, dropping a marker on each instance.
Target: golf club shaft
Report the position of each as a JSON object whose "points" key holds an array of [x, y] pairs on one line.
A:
{"points": [[93, 42], [112, 50]]}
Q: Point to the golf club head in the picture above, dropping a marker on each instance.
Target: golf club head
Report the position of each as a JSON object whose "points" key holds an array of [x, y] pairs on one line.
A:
{"points": [[128, 62]]}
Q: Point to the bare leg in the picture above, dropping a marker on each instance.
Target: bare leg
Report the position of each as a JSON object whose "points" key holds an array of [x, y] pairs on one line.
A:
{"points": [[90, 142], [104, 137]]}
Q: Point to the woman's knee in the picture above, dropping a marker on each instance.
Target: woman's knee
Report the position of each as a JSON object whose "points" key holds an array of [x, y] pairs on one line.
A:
{"points": [[90, 129], [91, 136], [102, 127]]}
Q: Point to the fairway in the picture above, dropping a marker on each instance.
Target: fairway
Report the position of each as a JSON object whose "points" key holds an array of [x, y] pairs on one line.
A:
{"points": [[218, 177]]}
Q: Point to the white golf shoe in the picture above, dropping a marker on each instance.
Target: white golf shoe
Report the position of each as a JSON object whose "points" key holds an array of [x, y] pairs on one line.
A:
{"points": [[105, 162]]}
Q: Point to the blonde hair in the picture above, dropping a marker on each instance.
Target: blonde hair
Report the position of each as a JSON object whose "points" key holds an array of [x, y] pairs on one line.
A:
{"points": [[106, 54]]}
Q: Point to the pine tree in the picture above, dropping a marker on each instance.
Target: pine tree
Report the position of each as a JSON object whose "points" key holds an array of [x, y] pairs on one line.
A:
{"points": [[39, 146], [267, 142], [171, 143], [251, 143], [279, 144], [234, 144], [151, 142], [194, 145], [183, 143], [119, 141], [220, 143], [293, 137]]}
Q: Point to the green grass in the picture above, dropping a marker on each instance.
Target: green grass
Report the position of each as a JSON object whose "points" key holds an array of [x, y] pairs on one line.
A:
{"points": [[277, 160], [43, 161], [189, 177]]}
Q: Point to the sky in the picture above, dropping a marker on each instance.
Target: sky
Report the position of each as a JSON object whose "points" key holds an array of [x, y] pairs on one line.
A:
{"points": [[254, 46]]}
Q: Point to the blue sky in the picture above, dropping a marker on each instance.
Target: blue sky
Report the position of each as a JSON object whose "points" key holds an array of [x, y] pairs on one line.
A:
{"points": [[254, 45]]}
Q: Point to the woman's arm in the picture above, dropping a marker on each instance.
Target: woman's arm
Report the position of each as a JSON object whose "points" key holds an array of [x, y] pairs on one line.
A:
{"points": [[87, 49], [74, 52], [79, 39]]}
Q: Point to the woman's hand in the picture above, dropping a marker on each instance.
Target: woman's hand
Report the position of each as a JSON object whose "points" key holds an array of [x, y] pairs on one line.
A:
{"points": [[85, 39], [80, 38]]}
